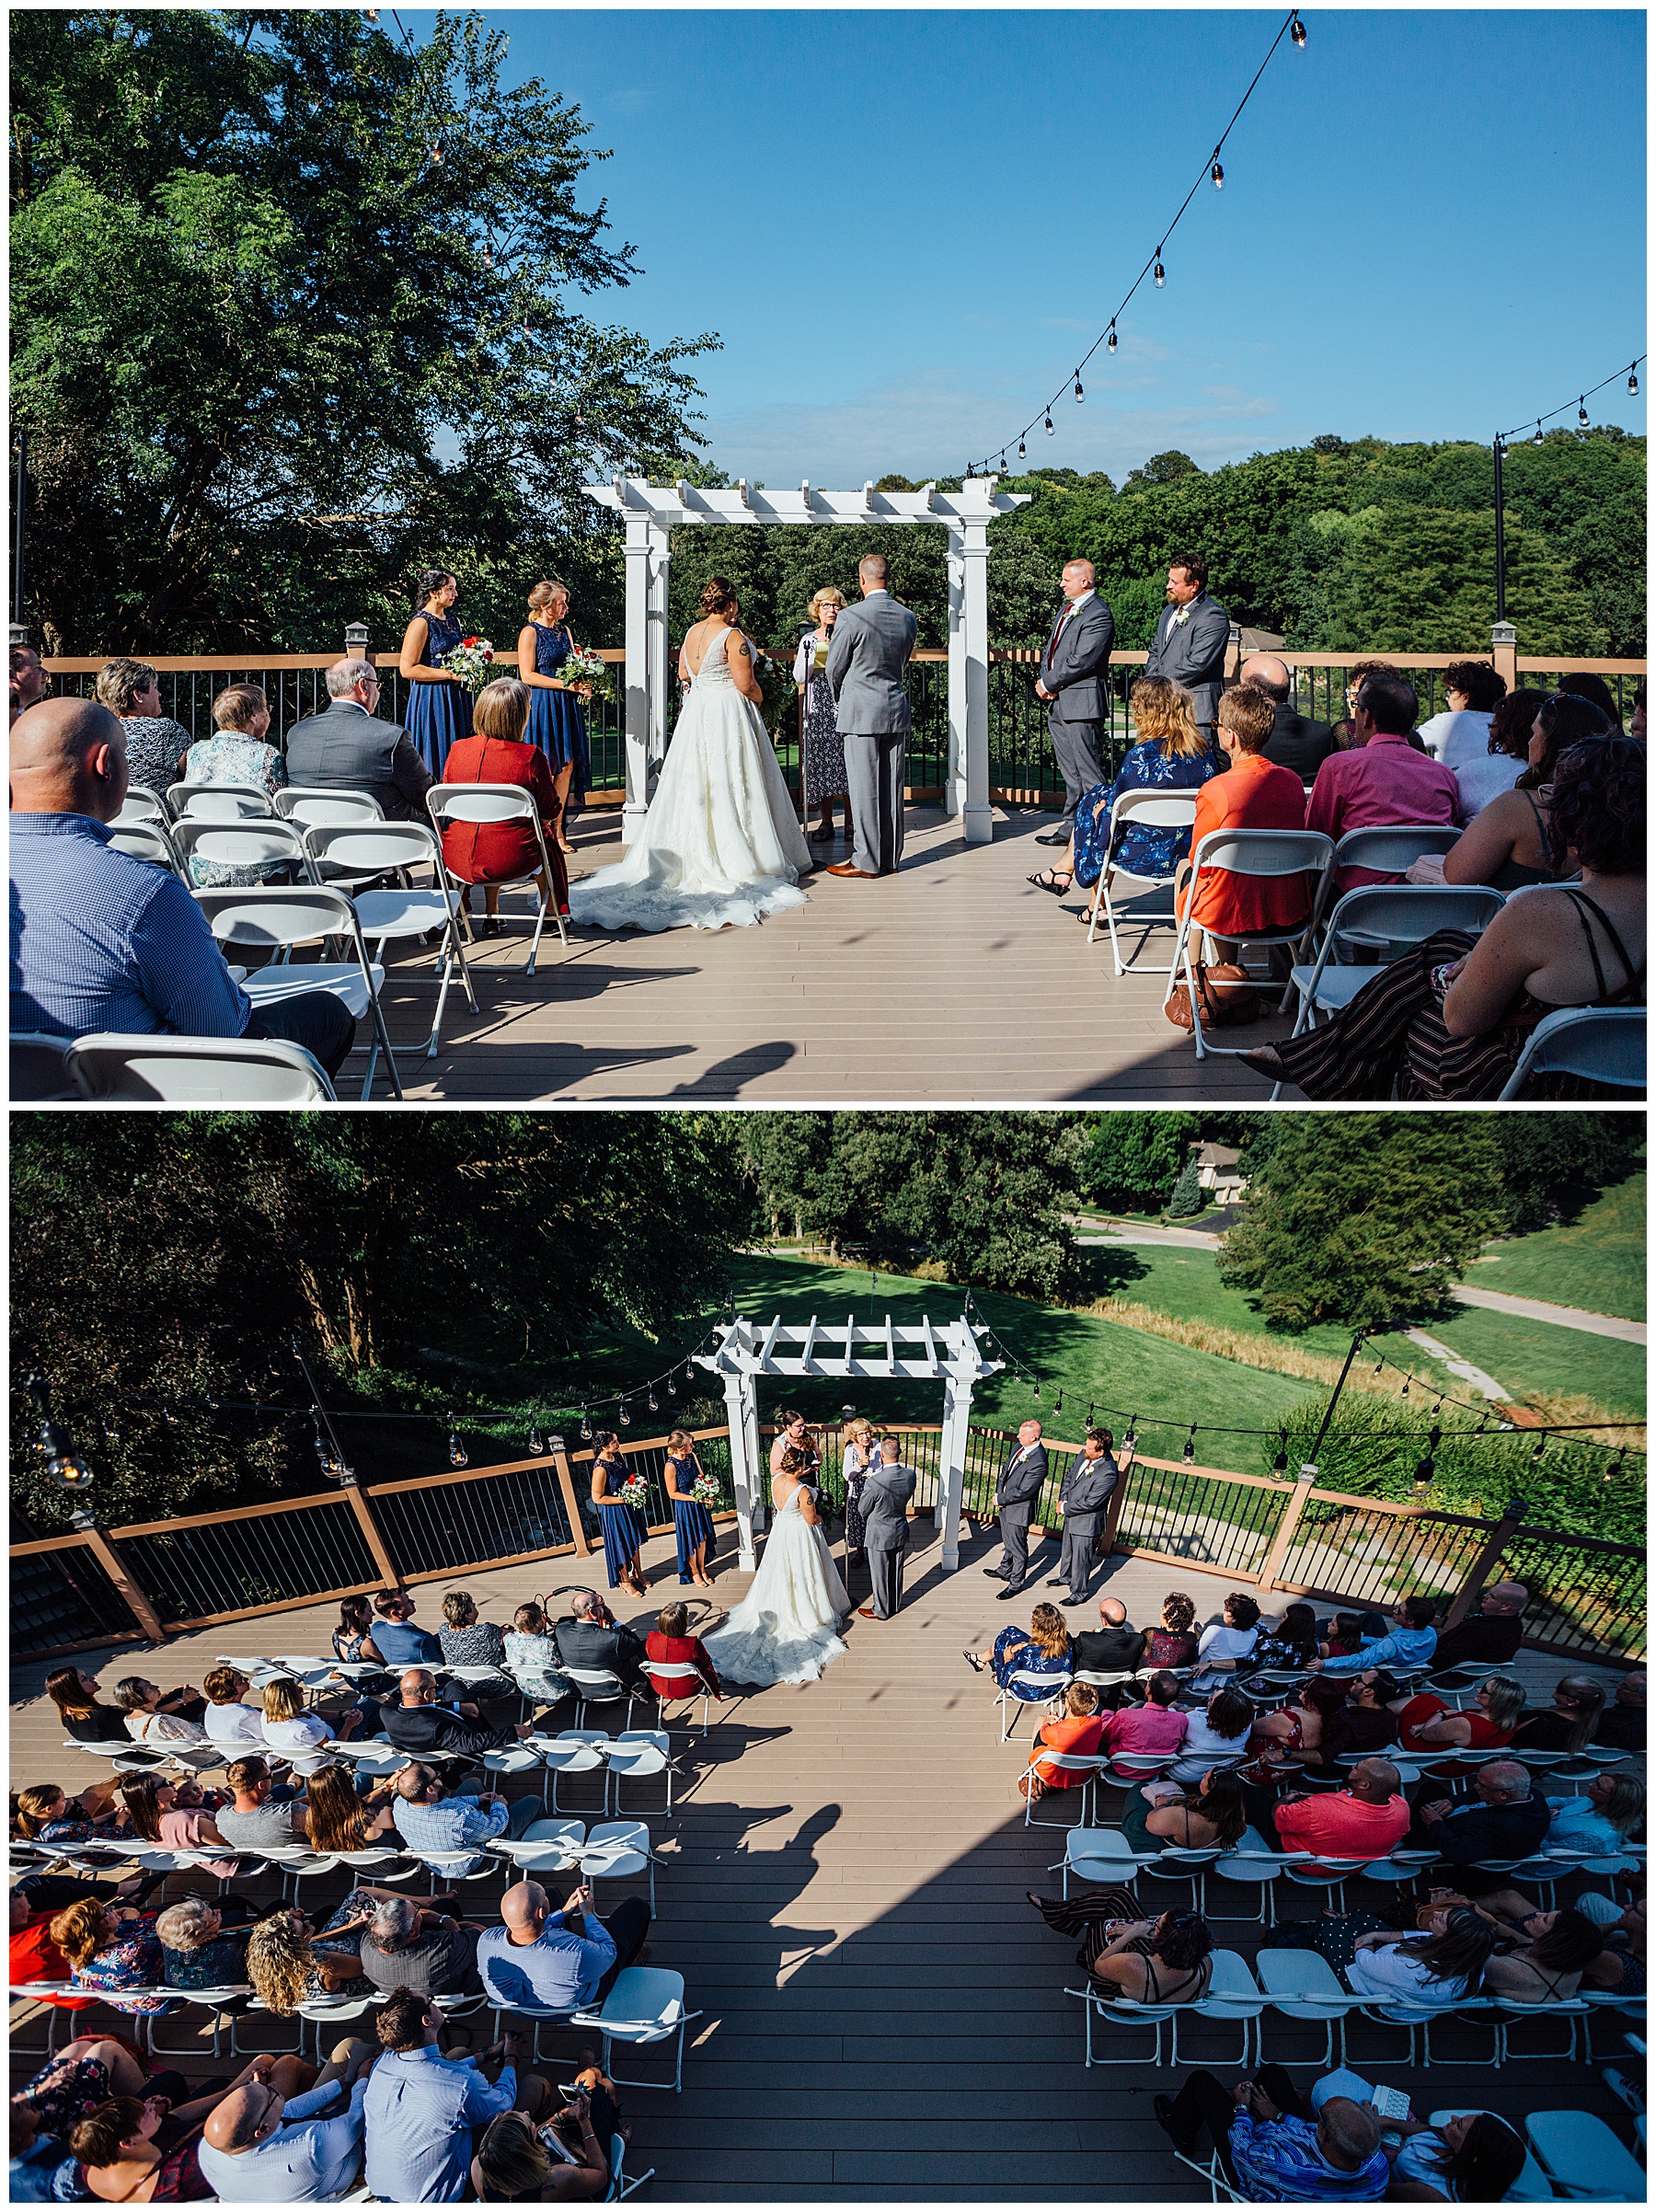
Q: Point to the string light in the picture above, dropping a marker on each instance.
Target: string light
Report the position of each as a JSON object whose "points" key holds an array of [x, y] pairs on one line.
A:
{"points": [[1582, 415], [328, 1460], [1161, 274], [1218, 174], [653, 1406], [1189, 1447], [1537, 439], [55, 1450], [1296, 31], [1633, 379], [1583, 418], [1612, 1471], [625, 1414], [1080, 394], [437, 155], [1111, 341], [534, 1438], [458, 1454], [112, 1433], [1089, 1414], [1049, 423], [1404, 1392], [586, 1427], [1021, 449], [1058, 1403], [1423, 1473], [1540, 1448], [1279, 1464]]}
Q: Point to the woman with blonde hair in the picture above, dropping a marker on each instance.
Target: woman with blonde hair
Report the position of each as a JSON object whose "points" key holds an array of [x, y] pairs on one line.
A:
{"points": [[491, 853], [558, 725], [862, 1455], [157, 745], [822, 765], [293, 1733], [236, 753], [290, 1964], [1169, 754], [1044, 1648], [692, 1523]]}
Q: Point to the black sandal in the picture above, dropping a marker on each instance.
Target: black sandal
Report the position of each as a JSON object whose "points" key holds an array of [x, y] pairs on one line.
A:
{"points": [[974, 1662], [824, 836], [1045, 881]]}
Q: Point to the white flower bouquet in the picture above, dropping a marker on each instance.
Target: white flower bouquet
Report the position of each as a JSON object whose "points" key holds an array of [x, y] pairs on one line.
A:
{"points": [[471, 660], [584, 667], [635, 1491]]}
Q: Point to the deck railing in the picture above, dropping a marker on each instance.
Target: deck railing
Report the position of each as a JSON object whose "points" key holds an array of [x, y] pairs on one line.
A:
{"points": [[161, 1578], [1021, 768]]}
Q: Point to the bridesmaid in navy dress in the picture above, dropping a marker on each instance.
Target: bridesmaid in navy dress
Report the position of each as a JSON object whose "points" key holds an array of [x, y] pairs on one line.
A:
{"points": [[438, 704], [692, 1523], [557, 709], [624, 1525]]}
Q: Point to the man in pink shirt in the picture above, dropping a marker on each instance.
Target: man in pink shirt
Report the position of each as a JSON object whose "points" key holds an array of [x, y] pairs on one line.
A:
{"points": [[1366, 1820], [1146, 1730], [1384, 780]]}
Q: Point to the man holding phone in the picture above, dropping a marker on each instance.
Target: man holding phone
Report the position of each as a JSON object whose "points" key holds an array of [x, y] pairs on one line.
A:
{"points": [[559, 1963]]}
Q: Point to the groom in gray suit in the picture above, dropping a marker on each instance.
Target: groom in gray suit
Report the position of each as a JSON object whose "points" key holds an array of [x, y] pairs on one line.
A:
{"points": [[887, 1490], [1191, 641], [871, 646]]}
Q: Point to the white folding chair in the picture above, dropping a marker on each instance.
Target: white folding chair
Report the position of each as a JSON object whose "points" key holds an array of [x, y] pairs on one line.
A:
{"points": [[198, 1071], [1232, 1994], [574, 1751], [1513, 2011], [1022, 1688], [1387, 919], [1581, 2158], [637, 1753], [308, 803], [39, 1066], [597, 1685], [646, 2005], [460, 802], [362, 850], [1154, 809], [620, 2183], [218, 802], [1084, 1763], [1603, 1042], [616, 1849], [275, 919], [546, 1847], [1391, 848], [1125, 2012], [147, 841], [231, 841], [1184, 1863], [1301, 1985], [1255, 854], [1099, 1858], [684, 1672], [1322, 1870], [142, 804]]}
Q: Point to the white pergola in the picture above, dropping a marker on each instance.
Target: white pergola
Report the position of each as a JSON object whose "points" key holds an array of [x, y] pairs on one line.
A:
{"points": [[649, 513], [948, 1352]]}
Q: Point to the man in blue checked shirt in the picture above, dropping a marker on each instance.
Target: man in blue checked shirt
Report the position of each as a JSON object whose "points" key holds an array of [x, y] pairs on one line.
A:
{"points": [[102, 942], [562, 1963], [428, 1819], [421, 2107], [1412, 1643], [1278, 2147]]}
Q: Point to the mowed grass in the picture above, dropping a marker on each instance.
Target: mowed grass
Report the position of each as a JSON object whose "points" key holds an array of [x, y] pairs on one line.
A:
{"points": [[1088, 1359], [1597, 1263], [1525, 1357]]}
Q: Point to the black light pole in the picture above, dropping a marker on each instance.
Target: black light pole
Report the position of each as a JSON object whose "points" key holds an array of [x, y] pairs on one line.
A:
{"points": [[1499, 448], [1334, 1400]]}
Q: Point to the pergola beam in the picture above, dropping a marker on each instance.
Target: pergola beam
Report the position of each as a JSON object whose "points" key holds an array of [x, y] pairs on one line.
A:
{"points": [[978, 500]]}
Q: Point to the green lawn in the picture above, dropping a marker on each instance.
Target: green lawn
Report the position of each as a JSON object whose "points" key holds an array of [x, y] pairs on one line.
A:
{"points": [[1597, 1263], [1087, 1358]]}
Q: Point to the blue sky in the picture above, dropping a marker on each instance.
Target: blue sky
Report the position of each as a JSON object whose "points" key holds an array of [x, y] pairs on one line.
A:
{"points": [[907, 225]]}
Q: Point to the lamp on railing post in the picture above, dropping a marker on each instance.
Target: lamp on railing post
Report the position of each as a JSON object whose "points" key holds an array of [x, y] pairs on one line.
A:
{"points": [[356, 641], [1503, 651]]}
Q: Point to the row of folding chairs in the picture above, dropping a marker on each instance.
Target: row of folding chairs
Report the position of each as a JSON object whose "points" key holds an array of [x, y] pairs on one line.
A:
{"points": [[306, 803]]}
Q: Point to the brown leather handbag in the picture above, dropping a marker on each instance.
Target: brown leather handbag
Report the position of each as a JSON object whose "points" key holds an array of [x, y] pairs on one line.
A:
{"points": [[1223, 992]]}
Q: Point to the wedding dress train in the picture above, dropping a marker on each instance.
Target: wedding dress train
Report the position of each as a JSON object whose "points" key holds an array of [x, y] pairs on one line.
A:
{"points": [[720, 846], [784, 1630]]}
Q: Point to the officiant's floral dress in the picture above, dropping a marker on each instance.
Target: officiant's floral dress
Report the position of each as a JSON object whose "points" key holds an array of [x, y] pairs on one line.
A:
{"points": [[824, 766], [437, 715]]}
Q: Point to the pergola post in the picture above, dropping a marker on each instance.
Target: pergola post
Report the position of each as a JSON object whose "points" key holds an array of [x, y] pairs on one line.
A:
{"points": [[659, 567], [739, 1408], [637, 714], [977, 825], [955, 780], [951, 1467]]}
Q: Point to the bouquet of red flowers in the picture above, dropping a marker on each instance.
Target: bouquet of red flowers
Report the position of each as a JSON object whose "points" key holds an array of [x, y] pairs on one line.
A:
{"points": [[471, 660]]}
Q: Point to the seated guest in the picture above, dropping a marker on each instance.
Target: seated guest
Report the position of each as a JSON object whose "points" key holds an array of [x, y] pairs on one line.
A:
{"points": [[1491, 1636], [1411, 1643], [1567, 1724], [1550, 1967], [1622, 1723], [41, 2170], [348, 748], [149, 1721], [1424, 1723], [1173, 1642], [34, 1956], [421, 2107], [671, 1643], [1473, 2159], [29, 680], [46, 1813], [468, 1641], [1509, 845], [1253, 794], [512, 2162], [1482, 778], [1167, 1961], [112, 1948], [1348, 1632], [1384, 780], [1044, 1648], [1367, 1819], [408, 1946], [229, 1719], [1152, 1729], [301, 1735], [1213, 1813], [338, 1819], [1295, 742], [290, 2134], [1169, 754], [1363, 1723], [1224, 1645], [157, 745], [353, 1639], [1079, 1732], [83, 2075], [1291, 1643], [290, 1963], [1601, 1820], [1501, 1820], [492, 853], [260, 1817], [560, 1963], [1620, 1967], [103, 942], [1451, 1019], [74, 1693], [237, 753], [147, 2151], [155, 1815], [1297, 1732], [204, 1946], [531, 1657], [1472, 691], [1584, 685], [1437, 1967], [585, 1642], [397, 1639], [1346, 739], [1220, 1731], [1278, 2145], [1114, 1647], [430, 1818], [416, 1723]]}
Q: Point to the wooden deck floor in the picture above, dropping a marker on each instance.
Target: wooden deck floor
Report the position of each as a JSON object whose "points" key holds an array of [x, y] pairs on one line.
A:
{"points": [[953, 981], [882, 2015]]}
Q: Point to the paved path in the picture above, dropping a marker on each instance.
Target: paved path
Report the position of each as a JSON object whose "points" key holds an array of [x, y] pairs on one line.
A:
{"points": [[1487, 1384], [1562, 1317]]}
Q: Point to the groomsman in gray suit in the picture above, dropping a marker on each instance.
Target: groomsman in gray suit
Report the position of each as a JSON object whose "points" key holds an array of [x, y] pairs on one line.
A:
{"points": [[1192, 639], [886, 1491], [1074, 671], [1083, 1501], [871, 647]]}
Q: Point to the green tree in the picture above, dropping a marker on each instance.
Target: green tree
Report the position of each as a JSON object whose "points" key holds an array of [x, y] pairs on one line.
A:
{"points": [[295, 311], [1185, 1198], [1553, 1165], [1369, 1219], [1135, 1159]]}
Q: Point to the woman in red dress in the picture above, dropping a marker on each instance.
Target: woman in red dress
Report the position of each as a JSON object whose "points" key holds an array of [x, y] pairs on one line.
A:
{"points": [[1427, 1723], [671, 1643], [492, 853]]}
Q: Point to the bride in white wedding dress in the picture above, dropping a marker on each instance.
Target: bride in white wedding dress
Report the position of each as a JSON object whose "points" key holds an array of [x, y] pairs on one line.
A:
{"points": [[719, 844], [785, 1629]]}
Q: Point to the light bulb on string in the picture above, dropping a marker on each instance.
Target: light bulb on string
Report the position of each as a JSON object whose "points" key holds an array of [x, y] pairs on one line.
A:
{"points": [[1424, 1470], [1110, 341], [1035, 1387], [673, 1384], [1080, 394], [1003, 466], [372, 14], [328, 1460], [1279, 1464], [624, 1415], [1537, 439], [1405, 1390], [458, 1455], [1379, 1363], [1633, 380], [437, 155], [1189, 1447], [1540, 1448], [1130, 1441], [1089, 1414], [1048, 424], [1021, 449], [1159, 273], [1296, 31], [1581, 416], [1437, 1409], [535, 1438], [1058, 1403], [586, 1427], [1218, 174], [653, 1402], [168, 1416], [1611, 1472], [112, 1432]]}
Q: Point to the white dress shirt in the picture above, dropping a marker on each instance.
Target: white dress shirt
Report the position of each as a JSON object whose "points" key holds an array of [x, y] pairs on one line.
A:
{"points": [[233, 1724], [308, 2157]]}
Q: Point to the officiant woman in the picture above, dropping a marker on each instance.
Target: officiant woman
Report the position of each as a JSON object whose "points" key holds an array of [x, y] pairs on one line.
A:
{"points": [[822, 769], [557, 709]]}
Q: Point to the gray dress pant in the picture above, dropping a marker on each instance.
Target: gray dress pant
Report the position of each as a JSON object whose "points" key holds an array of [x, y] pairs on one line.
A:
{"points": [[885, 1572], [1078, 749], [1076, 1560], [875, 774], [1014, 1537]]}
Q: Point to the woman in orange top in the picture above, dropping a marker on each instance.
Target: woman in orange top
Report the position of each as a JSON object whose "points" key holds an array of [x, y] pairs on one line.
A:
{"points": [[1081, 1729], [493, 853], [1253, 794]]}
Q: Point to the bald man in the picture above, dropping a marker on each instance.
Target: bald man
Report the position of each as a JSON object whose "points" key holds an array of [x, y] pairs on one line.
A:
{"points": [[1112, 1648], [102, 942], [1073, 681], [559, 1962], [273, 2139], [1296, 742]]}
